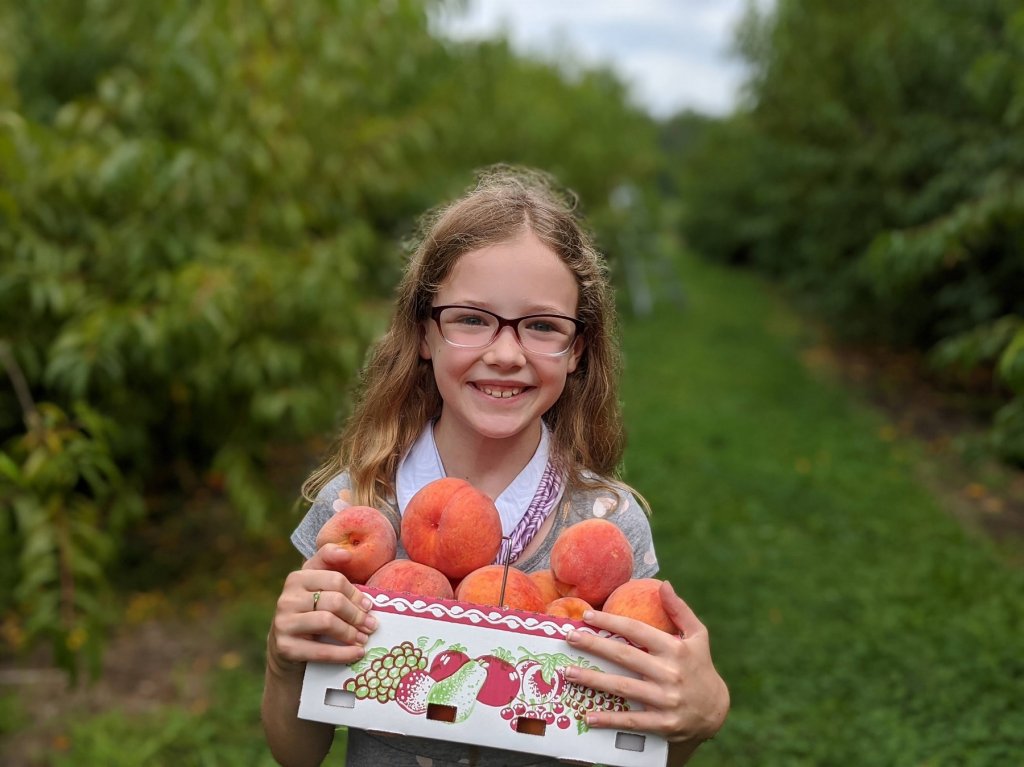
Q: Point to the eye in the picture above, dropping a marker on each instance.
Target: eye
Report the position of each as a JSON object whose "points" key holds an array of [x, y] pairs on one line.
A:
{"points": [[541, 326], [548, 326], [470, 319]]}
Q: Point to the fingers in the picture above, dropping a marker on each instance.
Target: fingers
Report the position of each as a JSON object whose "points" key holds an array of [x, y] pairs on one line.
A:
{"points": [[330, 556], [671, 677], [637, 632], [300, 649], [340, 614], [682, 616]]}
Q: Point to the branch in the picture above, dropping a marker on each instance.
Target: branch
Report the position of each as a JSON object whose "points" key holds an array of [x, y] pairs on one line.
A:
{"points": [[28, 406]]}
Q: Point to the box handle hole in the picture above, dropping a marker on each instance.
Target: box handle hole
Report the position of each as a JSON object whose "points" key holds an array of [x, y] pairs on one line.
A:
{"points": [[629, 741], [530, 725], [339, 698], [440, 713]]}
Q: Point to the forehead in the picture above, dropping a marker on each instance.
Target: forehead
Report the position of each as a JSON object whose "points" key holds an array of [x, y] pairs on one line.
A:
{"points": [[518, 276]]}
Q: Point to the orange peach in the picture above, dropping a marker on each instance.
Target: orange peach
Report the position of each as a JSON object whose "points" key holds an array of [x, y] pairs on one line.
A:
{"points": [[590, 559], [483, 587], [568, 607], [451, 526], [412, 578], [365, 532], [640, 599], [546, 583]]}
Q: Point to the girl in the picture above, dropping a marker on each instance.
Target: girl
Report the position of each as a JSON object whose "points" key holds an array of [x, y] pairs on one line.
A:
{"points": [[499, 367]]}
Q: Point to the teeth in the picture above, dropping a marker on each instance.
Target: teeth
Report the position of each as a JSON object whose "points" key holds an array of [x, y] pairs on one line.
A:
{"points": [[500, 393]]}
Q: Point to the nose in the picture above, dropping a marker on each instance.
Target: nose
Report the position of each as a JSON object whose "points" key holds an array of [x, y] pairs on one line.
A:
{"points": [[505, 349]]}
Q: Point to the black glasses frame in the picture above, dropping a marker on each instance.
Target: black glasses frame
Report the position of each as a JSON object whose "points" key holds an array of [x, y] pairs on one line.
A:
{"points": [[503, 322]]}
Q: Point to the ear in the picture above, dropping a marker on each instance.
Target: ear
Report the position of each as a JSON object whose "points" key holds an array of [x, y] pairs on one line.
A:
{"points": [[575, 354], [424, 343]]}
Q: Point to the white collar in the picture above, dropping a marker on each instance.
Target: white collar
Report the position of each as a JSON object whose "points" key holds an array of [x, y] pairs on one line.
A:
{"points": [[422, 464]]}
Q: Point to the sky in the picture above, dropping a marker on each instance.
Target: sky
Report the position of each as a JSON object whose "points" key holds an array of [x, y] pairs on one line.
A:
{"points": [[674, 54]]}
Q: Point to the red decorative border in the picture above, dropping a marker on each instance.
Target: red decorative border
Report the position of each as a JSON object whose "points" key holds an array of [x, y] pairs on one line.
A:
{"points": [[487, 616]]}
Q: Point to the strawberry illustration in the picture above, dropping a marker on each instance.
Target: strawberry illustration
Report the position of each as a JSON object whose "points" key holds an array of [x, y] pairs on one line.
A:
{"points": [[542, 680], [414, 690]]}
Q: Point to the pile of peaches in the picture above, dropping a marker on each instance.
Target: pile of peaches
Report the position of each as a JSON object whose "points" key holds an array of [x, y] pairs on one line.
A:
{"points": [[452, 534]]}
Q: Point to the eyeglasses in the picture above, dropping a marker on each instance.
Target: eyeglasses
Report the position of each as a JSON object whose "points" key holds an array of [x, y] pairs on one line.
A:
{"points": [[469, 327]]}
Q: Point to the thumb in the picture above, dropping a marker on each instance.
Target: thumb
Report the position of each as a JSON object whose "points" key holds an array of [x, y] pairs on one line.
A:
{"points": [[330, 556], [679, 612]]}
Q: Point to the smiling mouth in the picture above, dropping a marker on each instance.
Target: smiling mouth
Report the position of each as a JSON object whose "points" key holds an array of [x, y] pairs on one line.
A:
{"points": [[501, 392]]}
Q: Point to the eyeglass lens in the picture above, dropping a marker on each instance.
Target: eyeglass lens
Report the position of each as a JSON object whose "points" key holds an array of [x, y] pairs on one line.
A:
{"points": [[542, 334]]}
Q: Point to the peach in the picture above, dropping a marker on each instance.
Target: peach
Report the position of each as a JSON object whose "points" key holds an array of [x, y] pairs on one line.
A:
{"points": [[412, 578], [568, 607], [451, 526], [546, 583], [590, 559], [365, 532], [483, 587], [640, 599]]}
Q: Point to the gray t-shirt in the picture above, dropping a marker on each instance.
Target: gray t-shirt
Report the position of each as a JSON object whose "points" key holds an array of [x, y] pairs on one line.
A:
{"points": [[370, 749]]}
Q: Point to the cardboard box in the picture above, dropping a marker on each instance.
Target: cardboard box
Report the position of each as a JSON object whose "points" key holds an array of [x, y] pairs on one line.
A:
{"points": [[514, 698]]}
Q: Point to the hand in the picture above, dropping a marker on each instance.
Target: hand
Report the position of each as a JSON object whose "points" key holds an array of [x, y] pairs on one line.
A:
{"points": [[683, 696], [341, 614]]}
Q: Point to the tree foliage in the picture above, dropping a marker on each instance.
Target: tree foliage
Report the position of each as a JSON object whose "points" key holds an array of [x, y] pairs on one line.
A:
{"points": [[201, 207], [878, 168]]}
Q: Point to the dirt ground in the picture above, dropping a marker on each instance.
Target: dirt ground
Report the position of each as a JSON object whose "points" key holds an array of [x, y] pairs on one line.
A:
{"points": [[155, 662], [985, 496]]}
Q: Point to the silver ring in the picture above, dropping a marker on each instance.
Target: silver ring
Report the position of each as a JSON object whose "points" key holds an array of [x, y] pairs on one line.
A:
{"points": [[316, 599]]}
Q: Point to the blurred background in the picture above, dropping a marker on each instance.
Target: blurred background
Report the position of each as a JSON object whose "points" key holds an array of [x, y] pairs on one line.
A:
{"points": [[814, 215]]}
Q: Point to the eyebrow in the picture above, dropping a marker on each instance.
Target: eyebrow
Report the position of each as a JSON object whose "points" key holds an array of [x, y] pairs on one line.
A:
{"points": [[533, 309]]}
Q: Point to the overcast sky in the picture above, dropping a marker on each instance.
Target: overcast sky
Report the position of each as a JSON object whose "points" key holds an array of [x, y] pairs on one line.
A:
{"points": [[673, 53]]}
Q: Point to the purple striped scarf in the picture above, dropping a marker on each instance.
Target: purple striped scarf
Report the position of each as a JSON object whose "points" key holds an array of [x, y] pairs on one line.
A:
{"points": [[544, 500]]}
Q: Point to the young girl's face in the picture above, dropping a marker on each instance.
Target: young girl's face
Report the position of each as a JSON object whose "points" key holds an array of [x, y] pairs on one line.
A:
{"points": [[501, 390]]}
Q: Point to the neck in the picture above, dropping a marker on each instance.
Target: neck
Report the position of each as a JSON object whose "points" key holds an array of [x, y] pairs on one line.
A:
{"points": [[489, 465]]}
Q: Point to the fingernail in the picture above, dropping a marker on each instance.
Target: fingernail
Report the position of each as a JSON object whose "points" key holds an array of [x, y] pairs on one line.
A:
{"points": [[370, 623], [361, 638], [367, 603], [572, 637], [588, 616], [571, 672]]}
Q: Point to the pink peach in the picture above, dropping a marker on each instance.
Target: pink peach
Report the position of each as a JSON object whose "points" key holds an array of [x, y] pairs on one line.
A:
{"points": [[640, 599], [412, 578], [451, 526], [568, 607], [365, 532], [590, 559], [546, 583], [483, 587]]}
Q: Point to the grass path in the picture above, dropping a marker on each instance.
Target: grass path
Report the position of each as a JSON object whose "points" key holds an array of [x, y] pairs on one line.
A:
{"points": [[855, 621]]}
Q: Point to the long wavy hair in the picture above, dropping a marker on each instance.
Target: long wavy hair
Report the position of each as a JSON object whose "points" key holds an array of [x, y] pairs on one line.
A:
{"points": [[396, 394]]}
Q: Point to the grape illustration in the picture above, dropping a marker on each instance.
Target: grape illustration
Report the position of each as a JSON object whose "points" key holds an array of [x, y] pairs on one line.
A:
{"points": [[381, 670], [582, 700]]}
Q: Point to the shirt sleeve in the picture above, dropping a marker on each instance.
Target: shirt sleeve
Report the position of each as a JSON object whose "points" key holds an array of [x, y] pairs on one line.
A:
{"points": [[633, 522], [304, 536]]}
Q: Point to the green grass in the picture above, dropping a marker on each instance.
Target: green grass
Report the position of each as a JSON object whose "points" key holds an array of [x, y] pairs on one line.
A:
{"points": [[854, 620]]}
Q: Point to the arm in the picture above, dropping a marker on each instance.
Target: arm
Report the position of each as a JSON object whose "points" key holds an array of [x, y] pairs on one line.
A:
{"points": [[340, 614], [684, 698]]}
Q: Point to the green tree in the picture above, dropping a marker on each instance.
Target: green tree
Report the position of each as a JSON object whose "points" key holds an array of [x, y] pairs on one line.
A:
{"points": [[877, 170], [202, 210]]}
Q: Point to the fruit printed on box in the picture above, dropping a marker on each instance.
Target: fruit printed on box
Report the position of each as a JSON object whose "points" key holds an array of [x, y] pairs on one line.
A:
{"points": [[492, 676]]}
